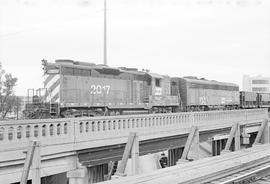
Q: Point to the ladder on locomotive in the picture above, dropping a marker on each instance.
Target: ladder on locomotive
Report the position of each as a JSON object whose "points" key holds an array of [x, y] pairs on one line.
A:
{"points": [[53, 109]]}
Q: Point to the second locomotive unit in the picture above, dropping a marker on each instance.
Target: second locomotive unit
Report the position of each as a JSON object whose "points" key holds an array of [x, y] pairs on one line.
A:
{"points": [[203, 95]]}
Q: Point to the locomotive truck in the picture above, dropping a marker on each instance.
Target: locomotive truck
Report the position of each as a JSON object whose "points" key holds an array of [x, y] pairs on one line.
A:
{"points": [[74, 89]]}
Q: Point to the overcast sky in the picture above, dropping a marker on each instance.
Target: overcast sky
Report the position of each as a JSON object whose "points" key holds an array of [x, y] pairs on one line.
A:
{"points": [[215, 39]]}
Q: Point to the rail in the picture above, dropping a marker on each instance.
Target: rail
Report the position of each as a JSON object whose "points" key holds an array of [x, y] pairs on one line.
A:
{"points": [[15, 134], [250, 175]]}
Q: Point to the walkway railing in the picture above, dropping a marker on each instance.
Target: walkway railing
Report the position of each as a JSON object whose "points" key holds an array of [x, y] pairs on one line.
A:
{"points": [[16, 134]]}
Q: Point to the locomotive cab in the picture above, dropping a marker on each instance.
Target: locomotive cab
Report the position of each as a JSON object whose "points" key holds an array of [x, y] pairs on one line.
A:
{"points": [[160, 96], [156, 84]]}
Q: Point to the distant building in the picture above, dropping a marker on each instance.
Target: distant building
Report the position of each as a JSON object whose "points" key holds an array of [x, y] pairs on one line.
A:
{"points": [[256, 84]]}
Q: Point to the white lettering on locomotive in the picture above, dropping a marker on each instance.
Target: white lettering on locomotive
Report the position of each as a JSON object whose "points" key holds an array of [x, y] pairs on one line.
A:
{"points": [[203, 100], [158, 91], [99, 89]]}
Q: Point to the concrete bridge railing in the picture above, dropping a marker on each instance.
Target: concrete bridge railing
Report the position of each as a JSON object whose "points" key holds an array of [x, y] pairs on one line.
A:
{"points": [[16, 134], [61, 138]]}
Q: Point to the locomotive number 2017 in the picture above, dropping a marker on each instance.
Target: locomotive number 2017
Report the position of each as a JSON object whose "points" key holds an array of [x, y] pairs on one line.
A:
{"points": [[99, 89]]}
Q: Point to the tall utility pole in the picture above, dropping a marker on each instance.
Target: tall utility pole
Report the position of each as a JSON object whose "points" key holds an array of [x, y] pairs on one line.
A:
{"points": [[105, 33], [17, 110]]}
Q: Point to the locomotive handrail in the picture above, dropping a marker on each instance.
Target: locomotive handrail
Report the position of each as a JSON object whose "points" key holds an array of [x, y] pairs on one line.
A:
{"points": [[32, 121], [16, 134]]}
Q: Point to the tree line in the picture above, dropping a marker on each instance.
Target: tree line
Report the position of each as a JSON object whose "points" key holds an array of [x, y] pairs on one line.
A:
{"points": [[8, 100]]}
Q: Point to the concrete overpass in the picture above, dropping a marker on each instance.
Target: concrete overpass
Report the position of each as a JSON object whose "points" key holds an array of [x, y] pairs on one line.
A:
{"points": [[97, 140], [243, 166]]}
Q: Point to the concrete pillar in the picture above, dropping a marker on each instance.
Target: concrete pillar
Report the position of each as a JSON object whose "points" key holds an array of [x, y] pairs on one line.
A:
{"points": [[215, 147], [191, 149], [174, 155], [194, 153], [233, 142], [265, 136], [171, 157], [237, 142], [135, 156], [218, 146], [78, 176], [97, 173], [36, 163]]}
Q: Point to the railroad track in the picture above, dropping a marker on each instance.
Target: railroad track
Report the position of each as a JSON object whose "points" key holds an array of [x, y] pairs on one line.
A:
{"points": [[259, 174]]}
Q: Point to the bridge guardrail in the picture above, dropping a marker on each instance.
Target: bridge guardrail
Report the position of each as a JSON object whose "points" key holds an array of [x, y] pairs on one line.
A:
{"points": [[16, 134]]}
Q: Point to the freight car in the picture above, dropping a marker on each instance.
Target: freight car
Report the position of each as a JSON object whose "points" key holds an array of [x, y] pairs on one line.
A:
{"points": [[86, 89], [254, 100], [202, 95], [248, 100], [263, 100]]}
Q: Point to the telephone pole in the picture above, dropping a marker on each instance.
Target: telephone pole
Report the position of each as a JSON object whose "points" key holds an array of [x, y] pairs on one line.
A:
{"points": [[105, 33]]}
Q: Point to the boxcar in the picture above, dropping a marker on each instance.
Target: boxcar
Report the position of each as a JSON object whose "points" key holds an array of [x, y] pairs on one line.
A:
{"points": [[263, 100], [248, 100], [200, 94]]}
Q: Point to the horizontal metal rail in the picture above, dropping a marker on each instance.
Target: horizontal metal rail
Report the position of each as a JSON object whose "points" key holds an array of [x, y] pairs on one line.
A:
{"points": [[247, 175]]}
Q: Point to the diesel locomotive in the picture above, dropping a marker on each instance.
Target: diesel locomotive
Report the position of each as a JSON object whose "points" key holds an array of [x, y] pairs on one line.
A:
{"points": [[85, 89], [74, 89], [203, 95]]}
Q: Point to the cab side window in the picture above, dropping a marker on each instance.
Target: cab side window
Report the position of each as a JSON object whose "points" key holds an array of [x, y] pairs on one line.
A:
{"points": [[157, 82]]}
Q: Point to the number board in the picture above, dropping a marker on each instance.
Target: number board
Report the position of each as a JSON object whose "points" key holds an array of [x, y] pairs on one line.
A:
{"points": [[99, 89]]}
